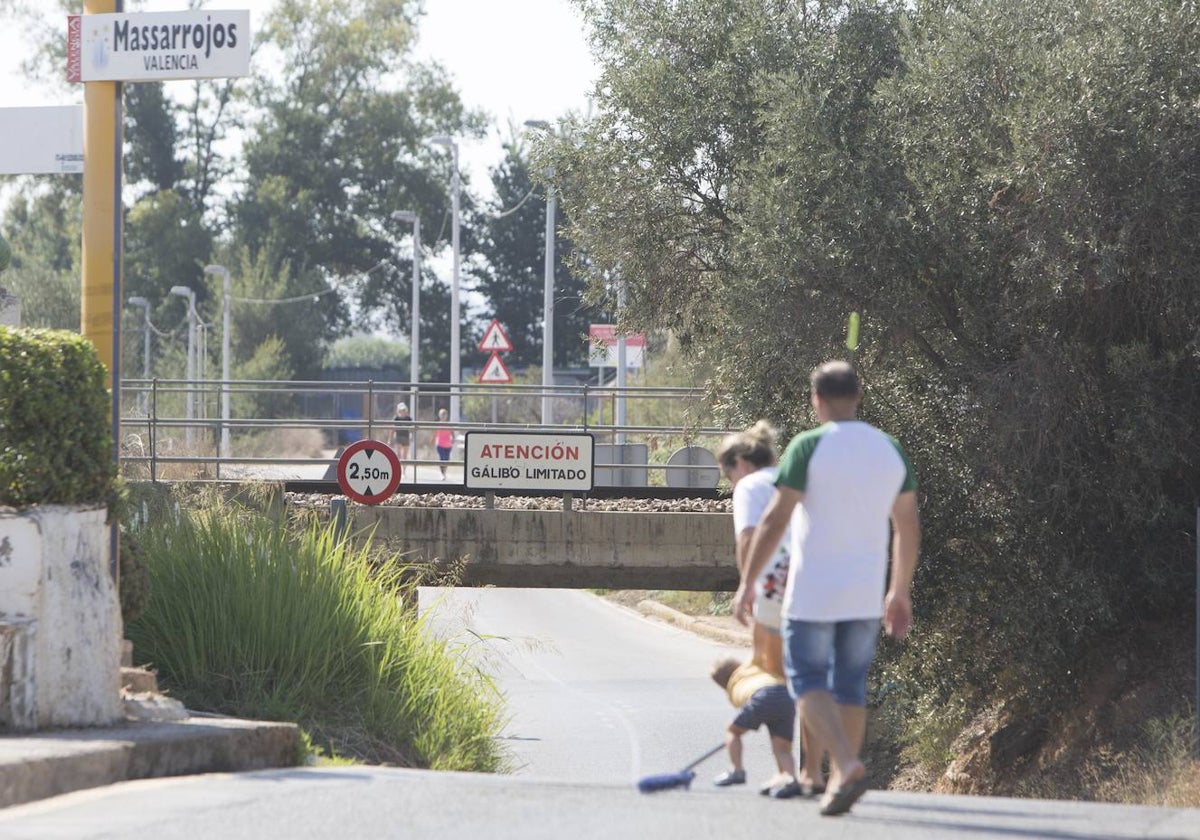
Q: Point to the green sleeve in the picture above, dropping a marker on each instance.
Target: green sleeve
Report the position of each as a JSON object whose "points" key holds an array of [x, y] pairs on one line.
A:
{"points": [[793, 466], [910, 477]]}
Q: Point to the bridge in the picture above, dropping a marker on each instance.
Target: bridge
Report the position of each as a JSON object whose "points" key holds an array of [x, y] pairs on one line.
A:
{"points": [[576, 546], [653, 445]]}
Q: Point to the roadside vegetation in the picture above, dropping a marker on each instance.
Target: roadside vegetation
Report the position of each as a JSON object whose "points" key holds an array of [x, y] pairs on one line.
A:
{"points": [[1007, 191], [256, 617]]}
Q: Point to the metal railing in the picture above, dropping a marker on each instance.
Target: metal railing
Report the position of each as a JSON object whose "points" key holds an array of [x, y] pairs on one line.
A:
{"points": [[645, 436]]}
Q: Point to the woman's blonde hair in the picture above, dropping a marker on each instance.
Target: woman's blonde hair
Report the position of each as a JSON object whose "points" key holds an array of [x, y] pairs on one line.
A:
{"points": [[755, 446]]}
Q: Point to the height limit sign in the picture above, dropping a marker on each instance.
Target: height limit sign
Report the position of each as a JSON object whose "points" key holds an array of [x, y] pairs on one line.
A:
{"points": [[368, 471]]}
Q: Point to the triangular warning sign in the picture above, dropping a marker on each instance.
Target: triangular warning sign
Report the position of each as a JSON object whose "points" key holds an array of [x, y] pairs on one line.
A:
{"points": [[494, 372], [495, 340]]}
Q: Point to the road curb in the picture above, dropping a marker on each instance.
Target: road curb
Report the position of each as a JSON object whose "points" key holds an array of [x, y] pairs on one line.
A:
{"points": [[694, 624], [49, 763]]}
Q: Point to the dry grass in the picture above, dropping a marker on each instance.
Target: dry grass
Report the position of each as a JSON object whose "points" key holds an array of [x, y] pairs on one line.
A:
{"points": [[1163, 770], [691, 603], [280, 443], [275, 443]]}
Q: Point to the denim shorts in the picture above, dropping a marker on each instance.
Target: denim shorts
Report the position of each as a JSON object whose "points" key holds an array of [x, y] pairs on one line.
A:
{"points": [[831, 656], [772, 706]]}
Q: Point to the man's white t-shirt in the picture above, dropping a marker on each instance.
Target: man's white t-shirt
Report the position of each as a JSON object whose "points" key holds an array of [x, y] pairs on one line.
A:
{"points": [[750, 499], [850, 474]]}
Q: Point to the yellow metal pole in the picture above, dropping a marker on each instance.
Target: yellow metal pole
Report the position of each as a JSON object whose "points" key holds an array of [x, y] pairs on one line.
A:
{"points": [[101, 211], [101, 292]]}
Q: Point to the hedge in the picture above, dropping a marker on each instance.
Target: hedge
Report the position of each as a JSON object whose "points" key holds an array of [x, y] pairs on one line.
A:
{"points": [[55, 437]]}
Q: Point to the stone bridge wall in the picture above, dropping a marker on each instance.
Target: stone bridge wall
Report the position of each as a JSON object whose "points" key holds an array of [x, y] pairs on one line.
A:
{"points": [[564, 548]]}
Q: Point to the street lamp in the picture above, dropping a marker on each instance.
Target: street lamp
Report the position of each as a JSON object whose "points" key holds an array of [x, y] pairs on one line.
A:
{"points": [[414, 330], [185, 292], [226, 449], [143, 397], [145, 305], [548, 290], [455, 375]]}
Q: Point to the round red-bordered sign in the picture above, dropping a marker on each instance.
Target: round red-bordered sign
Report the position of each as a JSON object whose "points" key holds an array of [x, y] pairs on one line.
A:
{"points": [[368, 471]]}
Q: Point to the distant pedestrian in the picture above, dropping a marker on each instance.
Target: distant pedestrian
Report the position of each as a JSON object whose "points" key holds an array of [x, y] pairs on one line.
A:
{"points": [[845, 480], [443, 440], [401, 434], [761, 699]]}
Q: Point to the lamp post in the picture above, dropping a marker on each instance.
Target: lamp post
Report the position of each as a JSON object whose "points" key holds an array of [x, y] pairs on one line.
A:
{"points": [[548, 289], [414, 329], [455, 349], [185, 292], [145, 305], [226, 449]]}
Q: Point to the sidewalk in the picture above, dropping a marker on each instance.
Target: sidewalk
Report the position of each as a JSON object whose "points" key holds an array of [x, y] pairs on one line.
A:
{"points": [[52, 762], [720, 628]]}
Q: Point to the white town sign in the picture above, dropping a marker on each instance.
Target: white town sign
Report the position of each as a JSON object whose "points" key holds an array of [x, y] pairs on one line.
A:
{"points": [[156, 46]]}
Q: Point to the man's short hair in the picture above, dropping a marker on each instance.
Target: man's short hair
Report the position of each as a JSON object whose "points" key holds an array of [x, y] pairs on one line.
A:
{"points": [[834, 380]]}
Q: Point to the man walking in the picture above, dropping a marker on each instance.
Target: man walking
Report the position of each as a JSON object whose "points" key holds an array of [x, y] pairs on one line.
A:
{"points": [[839, 485]]}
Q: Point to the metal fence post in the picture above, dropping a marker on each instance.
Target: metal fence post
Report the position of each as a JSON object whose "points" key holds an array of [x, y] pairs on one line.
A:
{"points": [[154, 430], [337, 518], [370, 409]]}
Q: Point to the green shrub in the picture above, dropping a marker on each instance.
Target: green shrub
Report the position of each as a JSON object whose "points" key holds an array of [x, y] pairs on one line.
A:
{"points": [[55, 438], [251, 618], [134, 578]]}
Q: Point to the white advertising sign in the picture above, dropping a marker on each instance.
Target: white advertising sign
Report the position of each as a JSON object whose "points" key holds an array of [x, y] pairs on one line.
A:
{"points": [[41, 141], [530, 461], [155, 46]]}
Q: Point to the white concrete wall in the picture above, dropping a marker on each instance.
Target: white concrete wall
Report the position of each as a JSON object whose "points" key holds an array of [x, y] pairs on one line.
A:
{"points": [[60, 604]]}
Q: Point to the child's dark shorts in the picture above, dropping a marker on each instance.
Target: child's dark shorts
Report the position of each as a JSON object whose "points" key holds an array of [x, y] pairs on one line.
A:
{"points": [[772, 706]]}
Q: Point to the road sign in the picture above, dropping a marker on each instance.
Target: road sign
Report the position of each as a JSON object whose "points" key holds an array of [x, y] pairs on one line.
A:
{"points": [[368, 471], [495, 339], [153, 46], [529, 461], [603, 350], [494, 372]]}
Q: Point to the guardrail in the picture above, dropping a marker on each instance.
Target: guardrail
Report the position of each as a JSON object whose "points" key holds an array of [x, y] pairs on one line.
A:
{"points": [[174, 428]]}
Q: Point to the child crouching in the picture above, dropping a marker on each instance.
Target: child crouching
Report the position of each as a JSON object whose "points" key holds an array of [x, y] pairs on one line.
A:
{"points": [[761, 698]]}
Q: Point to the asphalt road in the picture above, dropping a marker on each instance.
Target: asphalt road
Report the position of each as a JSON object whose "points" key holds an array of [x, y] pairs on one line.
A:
{"points": [[598, 693], [599, 697]]}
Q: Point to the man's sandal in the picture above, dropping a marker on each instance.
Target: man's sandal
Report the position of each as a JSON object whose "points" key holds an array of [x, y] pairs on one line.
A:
{"points": [[838, 802]]}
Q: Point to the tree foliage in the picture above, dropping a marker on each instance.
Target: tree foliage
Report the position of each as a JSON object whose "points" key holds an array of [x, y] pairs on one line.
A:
{"points": [[341, 144], [295, 171], [42, 225], [1008, 192], [512, 279], [368, 352]]}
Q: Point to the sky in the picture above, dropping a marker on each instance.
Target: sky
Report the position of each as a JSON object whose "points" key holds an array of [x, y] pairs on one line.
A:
{"points": [[515, 59]]}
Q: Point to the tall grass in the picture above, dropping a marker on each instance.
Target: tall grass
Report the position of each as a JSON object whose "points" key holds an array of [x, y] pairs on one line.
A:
{"points": [[252, 618]]}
